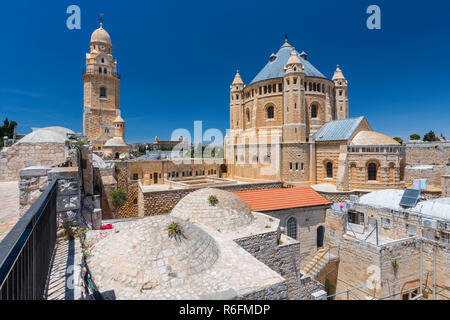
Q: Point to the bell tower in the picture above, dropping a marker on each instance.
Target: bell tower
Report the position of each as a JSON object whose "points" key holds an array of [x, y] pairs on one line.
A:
{"points": [[101, 89], [341, 88]]}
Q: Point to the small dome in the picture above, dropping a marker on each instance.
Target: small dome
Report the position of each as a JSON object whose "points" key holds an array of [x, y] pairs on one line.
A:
{"points": [[230, 212], [100, 35], [142, 254], [47, 135], [372, 138], [115, 142]]}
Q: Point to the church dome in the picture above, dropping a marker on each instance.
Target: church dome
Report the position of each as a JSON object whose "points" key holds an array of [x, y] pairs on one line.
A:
{"points": [[100, 35], [275, 67], [115, 142], [229, 213], [372, 138]]}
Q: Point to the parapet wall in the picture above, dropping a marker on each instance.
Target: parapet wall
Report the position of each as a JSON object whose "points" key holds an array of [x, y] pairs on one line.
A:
{"points": [[432, 173], [161, 202], [437, 152], [23, 155]]}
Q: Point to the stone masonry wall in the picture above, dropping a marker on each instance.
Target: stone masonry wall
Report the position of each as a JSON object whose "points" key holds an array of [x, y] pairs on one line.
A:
{"points": [[437, 152], [161, 202], [32, 182], [432, 173], [22, 155]]}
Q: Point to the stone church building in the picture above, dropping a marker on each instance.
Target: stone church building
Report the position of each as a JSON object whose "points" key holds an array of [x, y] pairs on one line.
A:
{"points": [[291, 123]]}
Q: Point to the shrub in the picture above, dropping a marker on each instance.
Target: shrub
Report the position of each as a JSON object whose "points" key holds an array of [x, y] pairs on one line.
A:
{"points": [[430, 136], [213, 200], [174, 230], [395, 264], [117, 198], [399, 140], [414, 136]]}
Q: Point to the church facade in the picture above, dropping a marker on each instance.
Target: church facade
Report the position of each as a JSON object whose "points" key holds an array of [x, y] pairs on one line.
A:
{"points": [[291, 123]]}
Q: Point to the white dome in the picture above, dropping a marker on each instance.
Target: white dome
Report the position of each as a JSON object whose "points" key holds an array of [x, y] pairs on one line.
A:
{"points": [[230, 212], [47, 135]]}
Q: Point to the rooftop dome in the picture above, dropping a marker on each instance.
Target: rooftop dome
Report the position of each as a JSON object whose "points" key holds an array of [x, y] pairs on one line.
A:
{"points": [[275, 67], [144, 255], [230, 212], [372, 138], [47, 135], [100, 35], [115, 142]]}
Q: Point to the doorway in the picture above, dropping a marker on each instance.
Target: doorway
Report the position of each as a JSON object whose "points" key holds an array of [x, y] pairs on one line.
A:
{"points": [[155, 178], [320, 236]]}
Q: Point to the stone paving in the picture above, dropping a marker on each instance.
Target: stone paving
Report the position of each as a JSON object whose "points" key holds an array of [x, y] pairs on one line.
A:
{"points": [[9, 206]]}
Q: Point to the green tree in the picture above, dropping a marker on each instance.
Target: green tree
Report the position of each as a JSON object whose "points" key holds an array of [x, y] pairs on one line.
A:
{"points": [[414, 136], [399, 140], [430, 136], [7, 130], [117, 199]]}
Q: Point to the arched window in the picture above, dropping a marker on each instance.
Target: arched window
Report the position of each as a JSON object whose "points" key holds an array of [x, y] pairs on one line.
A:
{"points": [[100, 70], [292, 228], [247, 112], [329, 170], [270, 113], [105, 71], [102, 92], [372, 172], [313, 111]]}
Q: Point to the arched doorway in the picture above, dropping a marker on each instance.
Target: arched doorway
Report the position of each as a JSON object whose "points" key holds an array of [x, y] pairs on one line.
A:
{"points": [[320, 236]]}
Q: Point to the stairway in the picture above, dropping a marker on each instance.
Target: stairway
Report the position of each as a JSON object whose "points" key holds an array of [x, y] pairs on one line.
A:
{"points": [[317, 263]]}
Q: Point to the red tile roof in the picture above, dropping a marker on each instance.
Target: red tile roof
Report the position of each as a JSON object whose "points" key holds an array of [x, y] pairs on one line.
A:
{"points": [[285, 198]]}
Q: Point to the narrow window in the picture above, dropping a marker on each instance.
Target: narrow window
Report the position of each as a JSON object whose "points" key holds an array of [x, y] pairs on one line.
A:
{"points": [[102, 92], [372, 171], [313, 111], [270, 113], [329, 170], [292, 228]]}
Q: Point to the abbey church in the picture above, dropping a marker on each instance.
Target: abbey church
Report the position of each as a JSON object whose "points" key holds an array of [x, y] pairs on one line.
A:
{"points": [[291, 124]]}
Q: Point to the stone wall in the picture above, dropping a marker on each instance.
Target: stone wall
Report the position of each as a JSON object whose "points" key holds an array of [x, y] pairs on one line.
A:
{"points": [[22, 155], [161, 202], [437, 152], [68, 197], [308, 220], [445, 186], [32, 182]]}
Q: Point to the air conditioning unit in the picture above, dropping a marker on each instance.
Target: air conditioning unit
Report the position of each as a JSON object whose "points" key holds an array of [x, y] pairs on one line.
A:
{"points": [[354, 198], [428, 223]]}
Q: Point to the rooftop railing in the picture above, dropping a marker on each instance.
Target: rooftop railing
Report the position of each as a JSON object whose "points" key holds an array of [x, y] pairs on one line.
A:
{"points": [[109, 74], [26, 252]]}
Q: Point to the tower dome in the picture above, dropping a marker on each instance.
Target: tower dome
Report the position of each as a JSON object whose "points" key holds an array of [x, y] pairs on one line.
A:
{"points": [[100, 35], [228, 213]]}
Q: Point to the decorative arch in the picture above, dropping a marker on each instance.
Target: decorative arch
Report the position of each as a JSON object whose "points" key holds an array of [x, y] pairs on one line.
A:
{"points": [[391, 172], [247, 115], [291, 228]]}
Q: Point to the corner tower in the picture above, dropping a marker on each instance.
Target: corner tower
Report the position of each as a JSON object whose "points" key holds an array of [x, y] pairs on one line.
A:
{"points": [[236, 102], [101, 89], [341, 88]]}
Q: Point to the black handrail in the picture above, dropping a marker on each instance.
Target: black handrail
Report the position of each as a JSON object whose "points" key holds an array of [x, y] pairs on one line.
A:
{"points": [[26, 251]]}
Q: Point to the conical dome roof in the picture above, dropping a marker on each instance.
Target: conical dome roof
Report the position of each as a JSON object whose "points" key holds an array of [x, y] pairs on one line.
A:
{"points": [[100, 35], [237, 79]]}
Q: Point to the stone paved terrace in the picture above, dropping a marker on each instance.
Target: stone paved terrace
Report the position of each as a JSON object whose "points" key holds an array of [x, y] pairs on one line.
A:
{"points": [[9, 206], [132, 261]]}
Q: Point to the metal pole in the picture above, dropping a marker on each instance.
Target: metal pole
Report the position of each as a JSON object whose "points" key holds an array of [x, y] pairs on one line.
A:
{"points": [[434, 273], [376, 226], [421, 267]]}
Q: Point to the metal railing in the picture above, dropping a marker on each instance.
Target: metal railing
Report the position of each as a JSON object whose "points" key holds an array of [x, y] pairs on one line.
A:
{"points": [[109, 74], [27, 250]]}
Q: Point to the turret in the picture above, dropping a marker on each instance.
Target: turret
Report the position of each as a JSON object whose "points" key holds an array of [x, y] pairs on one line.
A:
{"points": [[236, 102], [341, 98], [119, 127], [294, 96]]}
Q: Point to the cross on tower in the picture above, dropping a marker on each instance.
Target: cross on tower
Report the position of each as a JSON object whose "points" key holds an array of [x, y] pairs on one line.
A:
{"points": [[285, 37], [101, 19]]}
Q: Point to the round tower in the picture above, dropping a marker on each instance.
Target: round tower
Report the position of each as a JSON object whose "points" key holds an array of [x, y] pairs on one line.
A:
{"points": [[341, 94], [236, 102], [294, 97]]}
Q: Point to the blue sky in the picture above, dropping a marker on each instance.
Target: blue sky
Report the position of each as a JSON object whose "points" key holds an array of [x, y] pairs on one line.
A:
{"points": [[177, 59]]}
